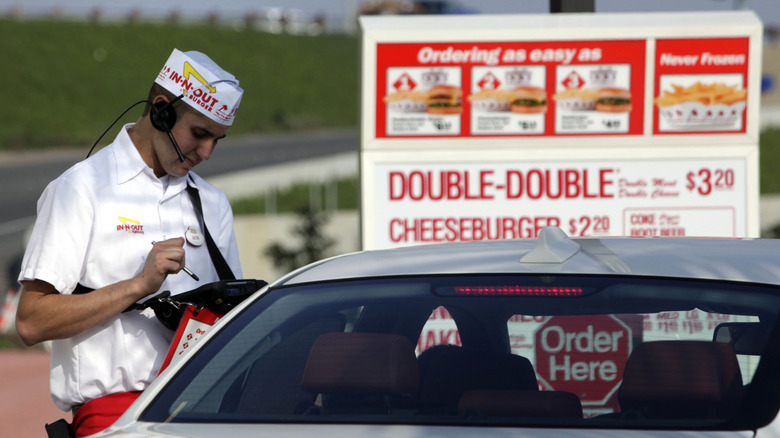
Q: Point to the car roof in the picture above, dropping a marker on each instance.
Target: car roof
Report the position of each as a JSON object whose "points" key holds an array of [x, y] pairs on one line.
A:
{"points": [[745, 260]]}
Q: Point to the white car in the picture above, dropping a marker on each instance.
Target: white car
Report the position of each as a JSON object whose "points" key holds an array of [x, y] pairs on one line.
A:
{"points": [[549, 337]]}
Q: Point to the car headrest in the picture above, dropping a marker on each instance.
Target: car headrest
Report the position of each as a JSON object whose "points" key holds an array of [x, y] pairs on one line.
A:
{"points": [[671, 376], [362, 363], [448, 371]]}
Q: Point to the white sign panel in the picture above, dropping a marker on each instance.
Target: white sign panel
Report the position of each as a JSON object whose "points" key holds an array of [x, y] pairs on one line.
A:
{"points": [[432, 203]]}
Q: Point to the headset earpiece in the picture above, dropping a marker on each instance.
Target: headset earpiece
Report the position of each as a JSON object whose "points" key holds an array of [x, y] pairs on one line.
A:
{"points": [[163, 116]]}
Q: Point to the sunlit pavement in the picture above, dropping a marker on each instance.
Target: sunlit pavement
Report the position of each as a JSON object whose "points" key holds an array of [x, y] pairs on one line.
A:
{"points": [[25, 404]]}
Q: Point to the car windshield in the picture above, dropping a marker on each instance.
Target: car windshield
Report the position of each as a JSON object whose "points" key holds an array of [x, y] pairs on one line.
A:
{"points": [[555, 350]]}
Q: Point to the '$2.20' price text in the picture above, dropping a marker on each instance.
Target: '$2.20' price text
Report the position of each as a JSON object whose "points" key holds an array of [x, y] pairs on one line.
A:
{"points": [[589, 225]]}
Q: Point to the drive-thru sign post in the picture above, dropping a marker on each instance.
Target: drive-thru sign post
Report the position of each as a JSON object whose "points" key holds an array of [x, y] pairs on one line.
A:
{"points": [[493, 127]]}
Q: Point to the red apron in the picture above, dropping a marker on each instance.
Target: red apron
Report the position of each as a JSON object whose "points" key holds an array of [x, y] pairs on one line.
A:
{"points": [[96, 415]]}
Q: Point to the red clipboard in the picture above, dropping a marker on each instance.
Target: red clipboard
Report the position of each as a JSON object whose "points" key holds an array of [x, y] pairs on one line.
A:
{"points": [[194, 324]]}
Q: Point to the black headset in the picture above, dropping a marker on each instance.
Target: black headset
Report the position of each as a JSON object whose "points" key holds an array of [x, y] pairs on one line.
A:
{"points": [[163, 117]]}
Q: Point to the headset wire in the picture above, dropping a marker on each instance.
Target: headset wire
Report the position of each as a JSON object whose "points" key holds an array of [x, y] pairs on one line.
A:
{"points": [[112, 125]]}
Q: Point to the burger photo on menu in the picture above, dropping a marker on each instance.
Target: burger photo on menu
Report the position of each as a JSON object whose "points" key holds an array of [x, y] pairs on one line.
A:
{"points": [[700, 104], [613, 100], [529, 100], [445, 99], [491, 100], [407, 101], [576, 99]]}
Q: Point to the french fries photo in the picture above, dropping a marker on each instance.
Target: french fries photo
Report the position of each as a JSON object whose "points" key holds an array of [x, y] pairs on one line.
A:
{"points": [[706, 94]]}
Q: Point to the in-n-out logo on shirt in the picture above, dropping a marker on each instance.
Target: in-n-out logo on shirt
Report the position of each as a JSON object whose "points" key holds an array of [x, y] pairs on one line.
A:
{"points": [[130, 226]]}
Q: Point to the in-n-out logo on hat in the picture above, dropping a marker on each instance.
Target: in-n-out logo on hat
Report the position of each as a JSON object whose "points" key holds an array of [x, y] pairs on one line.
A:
{"points": [[204, 85]]}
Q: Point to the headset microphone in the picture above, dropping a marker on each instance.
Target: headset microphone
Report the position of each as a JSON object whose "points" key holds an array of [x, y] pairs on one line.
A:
{"points": [[163, 117]]}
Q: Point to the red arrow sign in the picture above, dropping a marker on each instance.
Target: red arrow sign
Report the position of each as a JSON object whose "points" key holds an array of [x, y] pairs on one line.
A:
{"points": [[573, 80], [489, 82], [404, 82]]}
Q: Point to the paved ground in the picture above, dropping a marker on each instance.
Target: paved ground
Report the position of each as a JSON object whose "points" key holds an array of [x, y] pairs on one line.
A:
{"points": [[25, 404]]}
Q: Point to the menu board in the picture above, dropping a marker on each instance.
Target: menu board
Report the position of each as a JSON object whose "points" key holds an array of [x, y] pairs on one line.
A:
{"points": [[484, 127], [539, 88]]}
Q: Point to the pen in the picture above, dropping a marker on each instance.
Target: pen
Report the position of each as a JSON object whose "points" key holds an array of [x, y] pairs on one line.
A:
{"points": [[185, 269], [191, 274]]}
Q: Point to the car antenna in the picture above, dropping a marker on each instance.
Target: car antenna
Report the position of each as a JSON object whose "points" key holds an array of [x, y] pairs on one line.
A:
{"points": [[552, 246]]}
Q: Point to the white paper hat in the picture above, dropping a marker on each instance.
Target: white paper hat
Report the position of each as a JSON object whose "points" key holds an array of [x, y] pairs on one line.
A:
{"points": [[203, 84]]}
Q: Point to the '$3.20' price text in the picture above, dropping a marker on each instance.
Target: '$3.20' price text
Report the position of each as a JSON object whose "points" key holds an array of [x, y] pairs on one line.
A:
{"points": [[705, 181]]}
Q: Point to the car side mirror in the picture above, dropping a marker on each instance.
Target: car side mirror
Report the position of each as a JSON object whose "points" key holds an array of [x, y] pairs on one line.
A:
{"points": [[746, 337]]}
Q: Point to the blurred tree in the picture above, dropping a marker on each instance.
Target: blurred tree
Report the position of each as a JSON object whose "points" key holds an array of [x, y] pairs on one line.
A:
{"points": [[772, 34], [771, 233], [314, 244]]}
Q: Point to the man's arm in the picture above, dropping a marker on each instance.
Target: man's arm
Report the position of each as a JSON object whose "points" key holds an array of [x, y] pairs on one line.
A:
{"points": [[43, 313]]}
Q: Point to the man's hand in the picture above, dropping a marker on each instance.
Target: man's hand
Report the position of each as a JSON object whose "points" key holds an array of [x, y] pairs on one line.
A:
{"points": [[166, 257]]}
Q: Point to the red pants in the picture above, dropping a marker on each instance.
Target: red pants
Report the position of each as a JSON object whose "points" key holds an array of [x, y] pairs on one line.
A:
{"points": [[102, 412]]}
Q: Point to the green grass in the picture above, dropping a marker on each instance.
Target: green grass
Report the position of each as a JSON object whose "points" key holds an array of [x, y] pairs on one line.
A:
{"points": [[11, 342], [769, 161], [65, 82]]}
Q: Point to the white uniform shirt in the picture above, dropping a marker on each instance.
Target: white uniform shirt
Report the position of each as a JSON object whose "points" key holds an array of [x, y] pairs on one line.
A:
{"points": [[95, 226]]}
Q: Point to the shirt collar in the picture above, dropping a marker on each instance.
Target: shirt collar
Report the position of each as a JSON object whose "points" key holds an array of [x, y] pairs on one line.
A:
{"points": [[128, 161]]}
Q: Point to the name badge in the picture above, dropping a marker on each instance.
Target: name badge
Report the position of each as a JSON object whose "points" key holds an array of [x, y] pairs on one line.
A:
{"points": [[194, 237]]}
